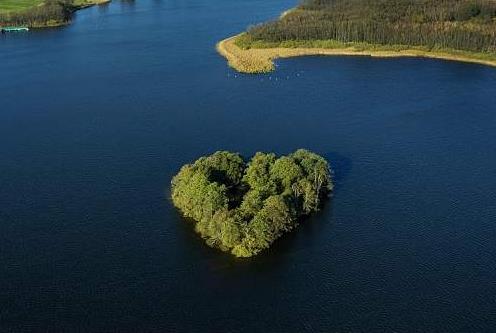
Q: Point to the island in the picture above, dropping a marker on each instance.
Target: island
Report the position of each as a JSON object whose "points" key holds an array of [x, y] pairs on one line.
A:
{"points": [[461, 30], [41, 13], [243, 207]]}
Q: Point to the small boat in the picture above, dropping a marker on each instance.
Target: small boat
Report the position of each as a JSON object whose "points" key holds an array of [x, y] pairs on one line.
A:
{"points": [[14, 29]]}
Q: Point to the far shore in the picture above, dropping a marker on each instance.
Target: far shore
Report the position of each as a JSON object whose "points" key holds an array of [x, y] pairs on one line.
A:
{"points": [[55, 22], [261, 60]]}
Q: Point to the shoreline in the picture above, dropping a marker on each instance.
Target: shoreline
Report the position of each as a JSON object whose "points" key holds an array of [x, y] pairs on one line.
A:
{"points": [[53, 23], [261, 60], [91, 3], [76, 8]]}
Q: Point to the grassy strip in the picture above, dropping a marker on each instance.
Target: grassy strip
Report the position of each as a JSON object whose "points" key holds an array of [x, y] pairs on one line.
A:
{"points": [[254, 56]]}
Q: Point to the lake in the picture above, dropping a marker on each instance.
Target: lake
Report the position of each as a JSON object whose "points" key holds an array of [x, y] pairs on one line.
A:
{"points": [[96, 118]]}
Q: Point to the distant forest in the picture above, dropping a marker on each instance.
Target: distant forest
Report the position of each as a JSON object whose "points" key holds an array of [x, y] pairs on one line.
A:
{"points": [[52, 12], [468, 25], [45, 14]]}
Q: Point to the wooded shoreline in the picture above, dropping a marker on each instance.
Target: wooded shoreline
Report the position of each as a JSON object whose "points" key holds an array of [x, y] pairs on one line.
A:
{"points": [[458, 30], [47, 14]]}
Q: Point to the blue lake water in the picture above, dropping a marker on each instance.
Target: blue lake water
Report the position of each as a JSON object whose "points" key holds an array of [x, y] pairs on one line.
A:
{"points": [[96, 117]]}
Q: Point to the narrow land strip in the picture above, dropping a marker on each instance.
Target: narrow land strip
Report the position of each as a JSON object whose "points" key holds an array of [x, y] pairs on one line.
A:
{"points": [[261, 60]]}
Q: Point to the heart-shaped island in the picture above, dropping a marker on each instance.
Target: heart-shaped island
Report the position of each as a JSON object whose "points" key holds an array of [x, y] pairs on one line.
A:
{"points": [[244, 207]]}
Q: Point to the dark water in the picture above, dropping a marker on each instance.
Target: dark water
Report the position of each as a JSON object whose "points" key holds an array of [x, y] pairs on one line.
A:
{"points": [[95, 119]]}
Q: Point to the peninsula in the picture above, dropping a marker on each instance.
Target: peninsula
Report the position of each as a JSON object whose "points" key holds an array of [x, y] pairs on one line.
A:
{"points": [[242, 208], [460, 30], [41, 13]]}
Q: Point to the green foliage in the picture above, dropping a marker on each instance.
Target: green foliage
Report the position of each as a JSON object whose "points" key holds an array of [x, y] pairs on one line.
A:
{"points": [[223, 167], [466, 25], [257, 174], [244, 207], [286, 171], [200, 197], [40, 13]]}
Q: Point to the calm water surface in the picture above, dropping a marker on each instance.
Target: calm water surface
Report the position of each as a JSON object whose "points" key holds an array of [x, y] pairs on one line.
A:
{"points": [[96, 118]]}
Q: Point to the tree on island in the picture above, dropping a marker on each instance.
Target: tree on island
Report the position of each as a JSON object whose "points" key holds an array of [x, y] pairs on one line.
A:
{"points": [[244, 207]]}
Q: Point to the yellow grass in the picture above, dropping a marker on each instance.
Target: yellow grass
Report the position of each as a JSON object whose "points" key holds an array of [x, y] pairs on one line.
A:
{"points": [[88, 3], [261, 60]]}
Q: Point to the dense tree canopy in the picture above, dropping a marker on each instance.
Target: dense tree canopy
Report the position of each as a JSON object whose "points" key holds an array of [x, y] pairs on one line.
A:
{"points": [[243, 207], [468, 25]]}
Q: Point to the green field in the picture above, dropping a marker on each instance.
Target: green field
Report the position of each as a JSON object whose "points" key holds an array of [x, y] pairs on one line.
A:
{"points": [[7, 6]]}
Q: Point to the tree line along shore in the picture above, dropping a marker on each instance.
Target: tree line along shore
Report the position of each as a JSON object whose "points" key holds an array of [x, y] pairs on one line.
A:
{"points": [[41, 13], [461, 30]]}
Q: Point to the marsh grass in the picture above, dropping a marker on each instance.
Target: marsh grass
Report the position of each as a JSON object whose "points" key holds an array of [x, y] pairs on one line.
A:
{"points": [[254, 56]]}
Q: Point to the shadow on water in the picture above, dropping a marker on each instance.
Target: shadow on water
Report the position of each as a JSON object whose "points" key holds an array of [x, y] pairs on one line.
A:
{"points": [[341, 167], [288, 245], [297, 243]]}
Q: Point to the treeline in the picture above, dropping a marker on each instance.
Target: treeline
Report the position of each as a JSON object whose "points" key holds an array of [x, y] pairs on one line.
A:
{"points": [[468, 25], [52, 12], [242, 208]]}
